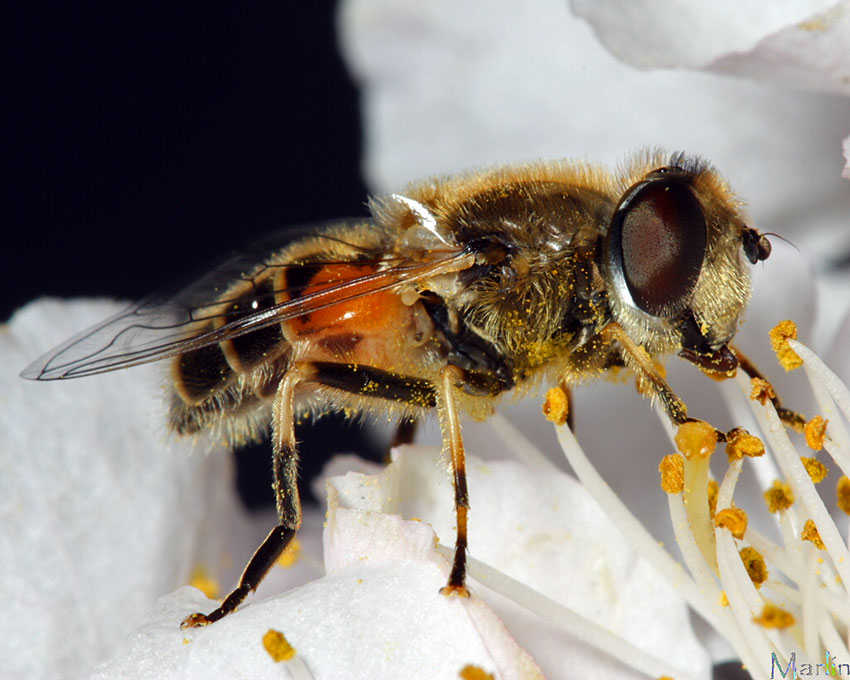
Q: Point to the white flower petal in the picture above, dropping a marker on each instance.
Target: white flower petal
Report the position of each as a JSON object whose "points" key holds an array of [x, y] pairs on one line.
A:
{"points": [[367, 621], [100, 511], [846, 172], [812, 53], [542, 529], [838, 358], [378, 614], [801, 44]]}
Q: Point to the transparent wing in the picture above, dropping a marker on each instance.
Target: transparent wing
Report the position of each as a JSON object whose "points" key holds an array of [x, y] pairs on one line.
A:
{"points": [[172, 320]]}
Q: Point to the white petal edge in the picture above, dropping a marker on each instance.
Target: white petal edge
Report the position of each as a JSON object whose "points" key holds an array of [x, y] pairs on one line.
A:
{"points": [[101, 512], [801, 44]]}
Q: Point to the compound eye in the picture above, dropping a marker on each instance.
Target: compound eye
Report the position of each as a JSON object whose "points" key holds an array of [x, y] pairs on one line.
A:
{"points": [[657, 241]]}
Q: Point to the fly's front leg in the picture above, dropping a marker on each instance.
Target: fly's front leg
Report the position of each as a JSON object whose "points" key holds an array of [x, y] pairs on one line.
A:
{"points": [[568, 394], [796, 421], [450, 378], [639, 360], [285, 466]]}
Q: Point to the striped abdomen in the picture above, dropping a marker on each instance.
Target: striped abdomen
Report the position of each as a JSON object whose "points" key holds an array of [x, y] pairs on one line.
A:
{"points": [[236, 376]]}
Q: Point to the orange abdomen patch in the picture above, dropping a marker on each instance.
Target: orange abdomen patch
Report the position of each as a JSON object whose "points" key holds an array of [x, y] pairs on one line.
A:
{"points": [[362, 330]]}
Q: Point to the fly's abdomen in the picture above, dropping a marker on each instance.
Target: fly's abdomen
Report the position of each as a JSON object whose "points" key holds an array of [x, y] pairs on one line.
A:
{"points": [[203, 373], [200, 373], [224, 383], [244, 352]]}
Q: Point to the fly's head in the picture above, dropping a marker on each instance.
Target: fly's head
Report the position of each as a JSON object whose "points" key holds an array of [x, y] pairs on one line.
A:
{"points": [[677, 258]]}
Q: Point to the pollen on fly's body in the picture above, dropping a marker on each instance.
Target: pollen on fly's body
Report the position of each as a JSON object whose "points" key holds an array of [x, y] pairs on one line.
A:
{"points": [[457, 291]]}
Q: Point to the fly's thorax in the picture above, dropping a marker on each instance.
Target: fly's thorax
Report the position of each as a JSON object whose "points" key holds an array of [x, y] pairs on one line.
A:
{"points": [[535, 231], [534, 205], [525, 307]]}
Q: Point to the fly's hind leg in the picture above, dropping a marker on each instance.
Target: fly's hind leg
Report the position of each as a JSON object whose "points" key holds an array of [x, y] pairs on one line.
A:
{"points": [[421, 394], [367, 381], [285, 465]]}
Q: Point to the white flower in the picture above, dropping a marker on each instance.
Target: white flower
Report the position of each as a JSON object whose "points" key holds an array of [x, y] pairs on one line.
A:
{"points": [[102, 512]]}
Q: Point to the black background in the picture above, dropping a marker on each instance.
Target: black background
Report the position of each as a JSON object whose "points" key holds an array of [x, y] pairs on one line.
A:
{"points": [[141, 142]]}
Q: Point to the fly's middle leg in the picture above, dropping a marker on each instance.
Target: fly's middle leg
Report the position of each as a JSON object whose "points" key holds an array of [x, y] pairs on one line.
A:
{"points": [[452, 377]]}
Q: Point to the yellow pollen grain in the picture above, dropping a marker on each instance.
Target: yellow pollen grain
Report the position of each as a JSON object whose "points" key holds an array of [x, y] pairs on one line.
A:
{"points": [[724, 599], [696, 439], [470, 672], [843, 493], [672, 469], [810, 533], [743, 444], [762, 391], [773, 616], [817, 470], [815, 431], [291, 555], [202, 580], [556, 407], [779, 496], [779, 336], [713, 491], [733, 519], [754, 564], [278, 646]]}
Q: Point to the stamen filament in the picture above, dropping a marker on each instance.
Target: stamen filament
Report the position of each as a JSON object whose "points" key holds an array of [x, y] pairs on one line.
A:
{"points": [[837, 442], [695, 498], [642, 541], [566, 619], [734, 582], [804, 489], [707, 582], [727, 486]]}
